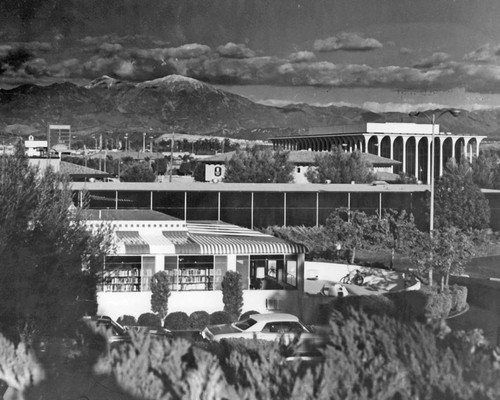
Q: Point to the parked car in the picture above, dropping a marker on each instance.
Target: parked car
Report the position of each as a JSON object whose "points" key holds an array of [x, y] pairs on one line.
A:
{"points": [[273, 326]]}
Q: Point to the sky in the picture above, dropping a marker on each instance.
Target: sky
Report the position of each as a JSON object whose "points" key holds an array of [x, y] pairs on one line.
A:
{"points": [[382, 55]]}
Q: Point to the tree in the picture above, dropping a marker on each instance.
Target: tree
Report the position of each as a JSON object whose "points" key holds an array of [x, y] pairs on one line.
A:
{"points": [[138, 172], [259, 165], [486, 170], [445, 252], [232, 293], [396, 231], [340, 167], [349, 228], [49, 259], [458, 201], [160, 292]]}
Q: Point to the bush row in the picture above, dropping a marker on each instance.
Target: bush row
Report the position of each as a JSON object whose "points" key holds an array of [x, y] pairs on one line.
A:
{"points": [[407, 305], [181, 321]]}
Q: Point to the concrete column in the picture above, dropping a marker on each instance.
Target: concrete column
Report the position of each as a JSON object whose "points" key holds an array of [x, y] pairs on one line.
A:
{"points": [[365, 142], [441, 161], [453, 142], [477, 146], [416, 158], [379, 143], [405, 139]]}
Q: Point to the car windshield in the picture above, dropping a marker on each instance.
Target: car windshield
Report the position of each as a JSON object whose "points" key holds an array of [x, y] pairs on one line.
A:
{"points": [[245, 324]]}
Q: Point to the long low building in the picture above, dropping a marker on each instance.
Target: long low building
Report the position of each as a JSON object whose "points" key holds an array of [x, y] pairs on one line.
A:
{"points": [[260, 204]]}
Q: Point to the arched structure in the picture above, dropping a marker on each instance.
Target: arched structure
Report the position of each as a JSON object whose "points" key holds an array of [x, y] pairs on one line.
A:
{"points": [[409, 143]]}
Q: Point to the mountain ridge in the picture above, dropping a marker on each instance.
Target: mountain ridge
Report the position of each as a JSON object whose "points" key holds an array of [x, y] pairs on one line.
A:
{"points": [[178, 103]]}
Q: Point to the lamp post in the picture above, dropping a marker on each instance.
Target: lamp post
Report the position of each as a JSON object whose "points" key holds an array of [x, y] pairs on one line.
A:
{"points": [[433, 118], [144, 142], [171, 156]]}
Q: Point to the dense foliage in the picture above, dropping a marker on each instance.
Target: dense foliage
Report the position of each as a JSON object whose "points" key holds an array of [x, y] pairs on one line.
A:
{"points": [[177, 320], [49, 259], [232, 293], [459, 202], [363, 360], [339, 166], [259, 165], [486, 169]]}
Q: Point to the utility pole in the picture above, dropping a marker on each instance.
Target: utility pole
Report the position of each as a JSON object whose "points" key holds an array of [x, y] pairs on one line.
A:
{"points": [[171, 156], [144, 142]]}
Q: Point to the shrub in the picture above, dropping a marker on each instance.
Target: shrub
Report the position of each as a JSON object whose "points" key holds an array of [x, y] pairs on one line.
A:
{"points": [[438, 303], [246, 314], [199, 319], [220, 317], [458, 298], [177, 321], [232, 293], [149, 319], [160, 292], [127, 320]]}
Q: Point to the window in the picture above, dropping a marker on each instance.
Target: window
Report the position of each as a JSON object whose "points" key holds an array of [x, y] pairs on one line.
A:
{"points": [[196, 272], [244, 325], [122, 274]]}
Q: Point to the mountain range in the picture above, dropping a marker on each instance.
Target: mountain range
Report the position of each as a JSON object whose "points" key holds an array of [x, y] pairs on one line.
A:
{"points": [[179, 104]]}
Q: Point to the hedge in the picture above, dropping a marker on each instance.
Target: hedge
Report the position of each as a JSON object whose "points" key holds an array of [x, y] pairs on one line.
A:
{"points": [[149, 319], [177, 321], [127, 320], [405, 305], [199, 320]]}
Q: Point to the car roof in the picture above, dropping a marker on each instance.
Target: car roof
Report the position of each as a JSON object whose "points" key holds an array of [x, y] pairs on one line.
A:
{"points": [[273, 317]]}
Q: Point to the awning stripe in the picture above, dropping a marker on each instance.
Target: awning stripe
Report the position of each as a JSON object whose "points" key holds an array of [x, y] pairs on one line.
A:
{"points": [[133, 242]]}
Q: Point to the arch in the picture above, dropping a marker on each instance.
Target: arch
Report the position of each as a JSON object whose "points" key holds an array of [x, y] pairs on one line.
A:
{"points": [[397, 153], [471, 146], [411, 151], [385, 147], [459, 149], [447, 150], [437, 157], [373, 145], [423, 158]]}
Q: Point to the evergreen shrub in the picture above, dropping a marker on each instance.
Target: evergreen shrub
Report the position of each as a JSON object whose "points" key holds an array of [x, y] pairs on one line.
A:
{"points": [[199, 320], [438, 303], [149, 319], [247, 314], [127, 320], [362, 361], [220, 317], [232, 293], [177, 321]]}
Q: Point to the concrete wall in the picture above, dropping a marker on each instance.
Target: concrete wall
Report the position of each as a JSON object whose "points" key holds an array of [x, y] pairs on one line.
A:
{"points": [[116, 304]]}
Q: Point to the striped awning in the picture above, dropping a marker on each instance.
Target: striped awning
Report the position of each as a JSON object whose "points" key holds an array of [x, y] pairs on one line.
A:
{"points": [[204, 242], [132, 243], [217, 244]]}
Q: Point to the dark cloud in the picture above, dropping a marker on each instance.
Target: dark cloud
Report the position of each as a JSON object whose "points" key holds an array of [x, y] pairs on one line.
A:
{"points": [[233, 50], [405, 50], [434, 60], [349, 41], [14, 59]]}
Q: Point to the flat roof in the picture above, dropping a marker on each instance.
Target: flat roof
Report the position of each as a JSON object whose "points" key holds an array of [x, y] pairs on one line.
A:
{"points": [[126, 215], [245, 187], [303, 157]]}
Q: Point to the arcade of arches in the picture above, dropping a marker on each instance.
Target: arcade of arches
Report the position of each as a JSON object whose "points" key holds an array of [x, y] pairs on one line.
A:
{"points": [[412, 150]]}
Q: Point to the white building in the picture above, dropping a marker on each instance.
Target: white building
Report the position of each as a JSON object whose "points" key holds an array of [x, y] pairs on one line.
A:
{"points": [[408, 143], [196, 255]]}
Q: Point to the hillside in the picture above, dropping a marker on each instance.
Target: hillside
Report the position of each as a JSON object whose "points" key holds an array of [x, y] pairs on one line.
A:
{"points": [[177, 103]]}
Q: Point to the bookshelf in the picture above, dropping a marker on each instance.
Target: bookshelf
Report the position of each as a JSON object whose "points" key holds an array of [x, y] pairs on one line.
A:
{"points": [[192, 279], [122, 280]]}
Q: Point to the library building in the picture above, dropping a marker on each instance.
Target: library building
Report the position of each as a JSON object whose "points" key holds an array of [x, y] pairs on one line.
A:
{"points": [[196, 255]]}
